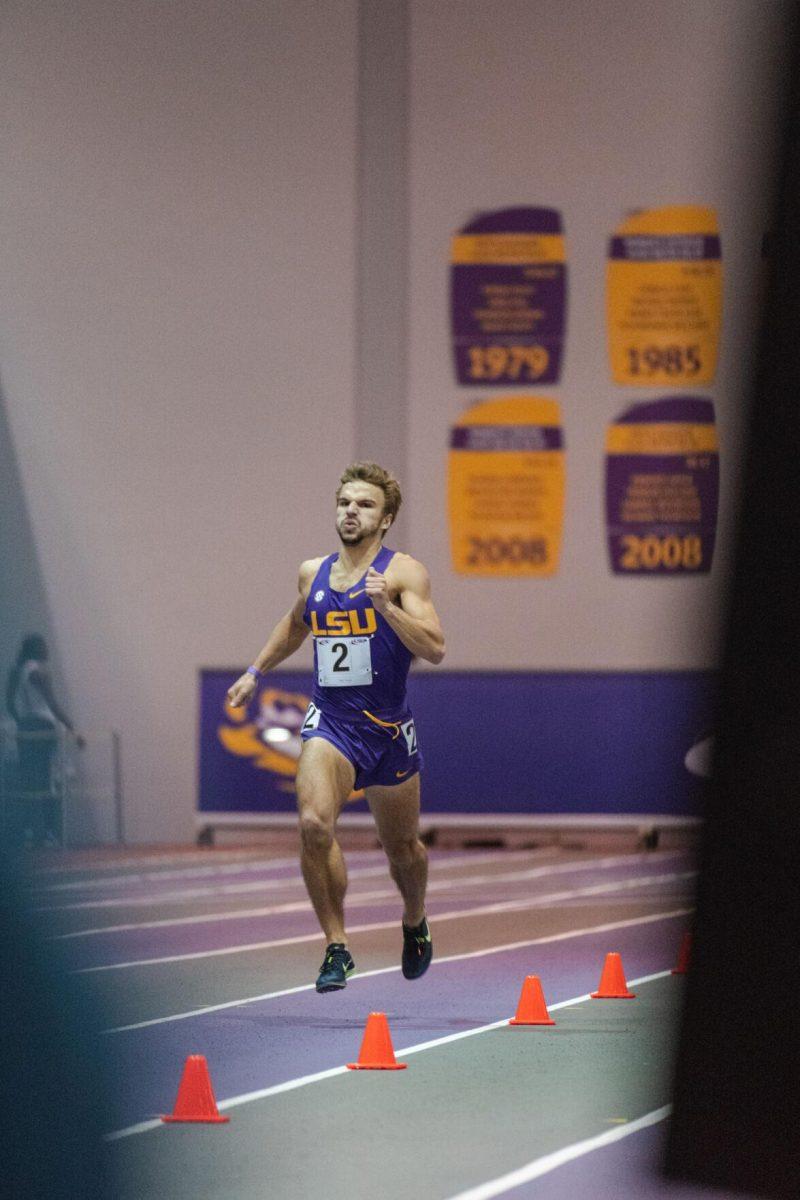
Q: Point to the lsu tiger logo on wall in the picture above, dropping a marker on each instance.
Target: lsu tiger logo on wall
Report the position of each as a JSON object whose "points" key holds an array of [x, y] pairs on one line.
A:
{"points": [[272, 740]]}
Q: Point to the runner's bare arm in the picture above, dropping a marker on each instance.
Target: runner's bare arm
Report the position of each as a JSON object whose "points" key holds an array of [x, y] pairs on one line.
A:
{"points": [[414, 619], [287, 636]]}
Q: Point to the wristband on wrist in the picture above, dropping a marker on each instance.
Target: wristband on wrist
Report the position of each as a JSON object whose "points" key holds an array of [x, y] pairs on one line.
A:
{"points": [[255, 672]]}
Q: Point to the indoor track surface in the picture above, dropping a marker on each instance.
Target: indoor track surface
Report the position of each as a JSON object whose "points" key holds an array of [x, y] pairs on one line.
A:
{"points": [[216, 952]]}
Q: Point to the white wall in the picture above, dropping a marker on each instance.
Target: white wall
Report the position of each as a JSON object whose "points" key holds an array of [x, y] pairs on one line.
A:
{"points": [[177, 343], [593, 109], [178, 312]]}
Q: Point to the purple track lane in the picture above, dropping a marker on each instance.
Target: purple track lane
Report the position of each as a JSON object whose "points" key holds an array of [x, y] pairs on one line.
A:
{"points": [[256, 1045]]}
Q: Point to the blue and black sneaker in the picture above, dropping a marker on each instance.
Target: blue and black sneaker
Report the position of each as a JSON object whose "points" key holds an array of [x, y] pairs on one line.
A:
{"points": [[417, 949], [336, 966]]}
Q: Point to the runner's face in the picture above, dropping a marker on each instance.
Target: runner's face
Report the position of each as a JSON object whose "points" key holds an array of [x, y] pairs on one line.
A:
{"points": [[359, 512]]}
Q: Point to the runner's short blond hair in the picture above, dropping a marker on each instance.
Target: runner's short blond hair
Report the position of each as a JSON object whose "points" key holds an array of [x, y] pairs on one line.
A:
{"points": [[370, 472]]}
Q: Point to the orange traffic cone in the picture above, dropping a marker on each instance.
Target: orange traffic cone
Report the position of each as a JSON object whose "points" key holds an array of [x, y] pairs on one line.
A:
{"points": [[684, 955], [612, 981], [532, 1009], [195, 1100], [377, 1052]]}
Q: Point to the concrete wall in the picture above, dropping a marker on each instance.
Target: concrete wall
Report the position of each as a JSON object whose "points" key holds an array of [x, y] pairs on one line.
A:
{"points": [[177, 324], [201, 319], [593, 109]]}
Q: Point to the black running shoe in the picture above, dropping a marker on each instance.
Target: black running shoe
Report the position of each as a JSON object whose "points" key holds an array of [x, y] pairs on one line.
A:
{"points": [[417, 949], [336, 966]]}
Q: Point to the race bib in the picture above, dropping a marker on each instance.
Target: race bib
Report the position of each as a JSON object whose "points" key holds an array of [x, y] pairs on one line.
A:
{"points": [[344, 662], [410, 734], [311, 719]]}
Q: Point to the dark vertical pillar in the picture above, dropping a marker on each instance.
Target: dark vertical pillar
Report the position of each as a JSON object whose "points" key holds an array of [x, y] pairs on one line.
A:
{"points": [[382, 235], [737, 1094]]}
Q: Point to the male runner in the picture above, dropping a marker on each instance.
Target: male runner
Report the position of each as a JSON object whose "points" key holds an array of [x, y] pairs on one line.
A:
{"points": [[370, 611]]}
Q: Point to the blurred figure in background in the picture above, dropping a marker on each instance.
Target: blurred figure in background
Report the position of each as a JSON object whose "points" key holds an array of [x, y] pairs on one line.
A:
{"points": [[39, 719]]}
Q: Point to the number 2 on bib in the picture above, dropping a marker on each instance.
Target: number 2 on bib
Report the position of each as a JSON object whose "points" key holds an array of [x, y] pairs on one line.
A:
{"points": [[410, 734], [311, 719], [343, 662]]}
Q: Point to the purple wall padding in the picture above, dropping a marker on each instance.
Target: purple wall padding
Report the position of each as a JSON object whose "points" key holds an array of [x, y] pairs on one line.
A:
{"points": [[505, 742]]}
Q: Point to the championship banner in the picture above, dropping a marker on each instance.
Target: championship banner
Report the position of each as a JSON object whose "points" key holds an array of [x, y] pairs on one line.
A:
{"points": [[664, 297], [508, 298], [662, 488], [506, 488]]}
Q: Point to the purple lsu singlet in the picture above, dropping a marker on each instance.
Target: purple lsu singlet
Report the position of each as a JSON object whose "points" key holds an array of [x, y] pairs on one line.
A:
{"points": [[360, 664]]}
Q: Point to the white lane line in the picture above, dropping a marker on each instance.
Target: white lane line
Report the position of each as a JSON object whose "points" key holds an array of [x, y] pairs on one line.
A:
{"points": [[355, 898], [289, 884], [145, 860], [262, 865], [237, 868], [233, 889], [241, 914], [549, 1162], [606, 927], [455, 915], [229, 861], [291, 1085]]}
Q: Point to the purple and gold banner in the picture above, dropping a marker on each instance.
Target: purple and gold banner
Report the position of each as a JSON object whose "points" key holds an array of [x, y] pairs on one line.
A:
{"points": [[249, 755], [494, 742], [664, 297], [508, 298], [506, 488], [662, 488]]}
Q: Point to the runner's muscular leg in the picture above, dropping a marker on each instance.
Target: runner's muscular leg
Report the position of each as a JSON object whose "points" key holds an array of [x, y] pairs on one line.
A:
{"points": [[324, 781], [396, 813]]}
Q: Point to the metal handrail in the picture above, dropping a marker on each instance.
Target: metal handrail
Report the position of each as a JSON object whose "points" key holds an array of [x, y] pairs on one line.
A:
{"points": [[10, 735]]}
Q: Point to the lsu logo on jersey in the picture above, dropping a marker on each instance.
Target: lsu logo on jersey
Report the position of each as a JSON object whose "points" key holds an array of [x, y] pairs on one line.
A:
{"points": [[343, 624]]}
